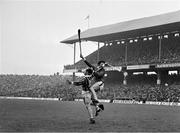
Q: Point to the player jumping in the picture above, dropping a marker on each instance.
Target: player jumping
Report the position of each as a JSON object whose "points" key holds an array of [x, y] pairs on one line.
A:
{"points": [[97, 82]]}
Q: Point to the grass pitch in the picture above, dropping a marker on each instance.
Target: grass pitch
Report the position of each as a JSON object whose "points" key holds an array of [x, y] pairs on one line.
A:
{"points": [[52, 116]]}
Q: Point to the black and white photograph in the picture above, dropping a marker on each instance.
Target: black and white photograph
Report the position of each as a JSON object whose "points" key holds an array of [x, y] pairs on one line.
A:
{"points": [[89, 65]]}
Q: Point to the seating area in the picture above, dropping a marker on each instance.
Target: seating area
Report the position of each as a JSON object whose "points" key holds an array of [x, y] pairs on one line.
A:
{"points": [[143, 52], [170, 50], [36, 86], [144, 87], [139, 87], [138, 52]]}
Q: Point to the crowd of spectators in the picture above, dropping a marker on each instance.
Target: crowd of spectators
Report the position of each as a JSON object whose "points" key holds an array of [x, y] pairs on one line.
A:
{"points": [[143, 52], [139, 87], [144, 87], [170, 50], [53, 86]]}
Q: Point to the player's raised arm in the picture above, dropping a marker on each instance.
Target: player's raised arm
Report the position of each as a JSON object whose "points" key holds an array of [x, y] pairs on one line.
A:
{"points": [[87, 63]]}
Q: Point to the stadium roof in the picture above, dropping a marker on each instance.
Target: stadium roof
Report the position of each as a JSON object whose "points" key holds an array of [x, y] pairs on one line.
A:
{"points": [[129, 29]]}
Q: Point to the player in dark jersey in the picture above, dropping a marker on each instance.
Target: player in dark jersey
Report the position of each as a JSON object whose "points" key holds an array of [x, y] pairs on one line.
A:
{"points": [[97, 81], [86, 93]]}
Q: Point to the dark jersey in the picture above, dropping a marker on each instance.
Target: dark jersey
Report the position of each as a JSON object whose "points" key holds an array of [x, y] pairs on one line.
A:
{"points": [[84, 83], [98, 73]]}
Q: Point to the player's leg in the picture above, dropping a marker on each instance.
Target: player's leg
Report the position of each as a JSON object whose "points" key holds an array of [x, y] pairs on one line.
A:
{"points": [[93, 89], [90, 111], [87, 102], [98, 86]]}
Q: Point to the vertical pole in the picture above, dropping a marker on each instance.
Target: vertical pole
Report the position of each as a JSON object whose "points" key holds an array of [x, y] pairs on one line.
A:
{"points": [[160, 48], [98, 53], [74, 61], [114, 95], [126, 54]]}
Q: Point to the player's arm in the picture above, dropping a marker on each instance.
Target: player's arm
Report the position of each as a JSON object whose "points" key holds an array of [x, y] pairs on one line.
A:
{"points": [[76, 83], [87, 63]]}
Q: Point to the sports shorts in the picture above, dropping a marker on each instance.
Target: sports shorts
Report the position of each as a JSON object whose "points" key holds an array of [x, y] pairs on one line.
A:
{"points": [[98, 86], [86, 95]]}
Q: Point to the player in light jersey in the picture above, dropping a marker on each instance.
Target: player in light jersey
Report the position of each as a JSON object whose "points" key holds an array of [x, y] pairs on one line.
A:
{"points": [[86, 93]]}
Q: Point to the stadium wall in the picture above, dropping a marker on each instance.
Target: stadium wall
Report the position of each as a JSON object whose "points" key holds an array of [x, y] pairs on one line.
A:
{"points": [[101, 100]]}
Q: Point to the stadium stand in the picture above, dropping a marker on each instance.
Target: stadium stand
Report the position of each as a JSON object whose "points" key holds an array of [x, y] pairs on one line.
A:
{"points": [[137, 42], [140, 52], [113, 54], [37, 86], [139, 87], [146, 41], [143, 52], [170, 49], [144, 86]]}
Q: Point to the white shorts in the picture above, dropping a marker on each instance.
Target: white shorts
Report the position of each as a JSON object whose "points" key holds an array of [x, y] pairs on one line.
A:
{"points": [[86, 95], [98, 86]]}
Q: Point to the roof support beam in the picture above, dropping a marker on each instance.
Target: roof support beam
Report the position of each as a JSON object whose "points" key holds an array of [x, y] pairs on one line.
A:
{"points": [[98, 52], [159, 55], [74, 61], [126, 50]]}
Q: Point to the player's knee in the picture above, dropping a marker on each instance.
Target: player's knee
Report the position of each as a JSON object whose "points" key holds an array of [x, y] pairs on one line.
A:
{"points": [[95, 102], [87, 105], [92, 89]]}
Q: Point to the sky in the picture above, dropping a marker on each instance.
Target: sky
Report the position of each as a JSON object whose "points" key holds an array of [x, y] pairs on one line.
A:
{"points": [[31, 30]]}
